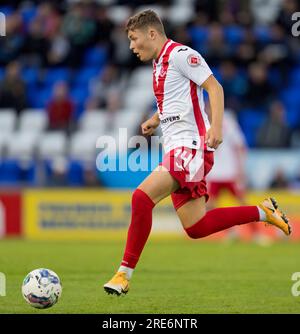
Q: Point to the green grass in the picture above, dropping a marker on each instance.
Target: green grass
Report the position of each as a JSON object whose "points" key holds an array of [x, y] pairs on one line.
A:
{"points": [[173, 276]]}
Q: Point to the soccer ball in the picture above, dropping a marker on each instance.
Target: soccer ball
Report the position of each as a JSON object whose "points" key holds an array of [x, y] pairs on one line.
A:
{"points": [[41, 288]]}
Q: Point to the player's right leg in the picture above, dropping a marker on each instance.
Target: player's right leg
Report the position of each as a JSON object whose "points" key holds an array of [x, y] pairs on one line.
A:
{"points": [[158, 185]]}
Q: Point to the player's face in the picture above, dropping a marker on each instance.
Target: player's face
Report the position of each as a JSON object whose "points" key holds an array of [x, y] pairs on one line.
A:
{"points": [[141, 44]]}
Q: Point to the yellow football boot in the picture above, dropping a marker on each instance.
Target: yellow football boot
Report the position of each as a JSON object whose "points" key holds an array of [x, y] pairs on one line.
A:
{"points": [[274, 216], [118, 284]]}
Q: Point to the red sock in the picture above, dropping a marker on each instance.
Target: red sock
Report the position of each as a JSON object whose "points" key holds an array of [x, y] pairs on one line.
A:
{"points": [[139, 229], [220, 219]]}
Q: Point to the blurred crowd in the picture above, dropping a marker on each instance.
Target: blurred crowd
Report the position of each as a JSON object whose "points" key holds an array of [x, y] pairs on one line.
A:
{"points": [[70, 57], [248, 44]]}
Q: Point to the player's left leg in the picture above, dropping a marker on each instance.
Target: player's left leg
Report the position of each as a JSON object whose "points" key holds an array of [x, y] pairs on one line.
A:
{"points": [[200, 224]]}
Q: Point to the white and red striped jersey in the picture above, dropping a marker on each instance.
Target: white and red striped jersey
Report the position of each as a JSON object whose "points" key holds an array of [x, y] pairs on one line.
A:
{"points": [[178, 73]]}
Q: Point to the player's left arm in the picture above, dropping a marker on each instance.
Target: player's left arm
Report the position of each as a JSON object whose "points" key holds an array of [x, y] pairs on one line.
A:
{"points": [[215, 92]]}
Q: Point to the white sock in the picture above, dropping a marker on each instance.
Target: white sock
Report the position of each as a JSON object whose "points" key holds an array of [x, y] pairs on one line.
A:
{"points": [[262, 214], [128, 271]]}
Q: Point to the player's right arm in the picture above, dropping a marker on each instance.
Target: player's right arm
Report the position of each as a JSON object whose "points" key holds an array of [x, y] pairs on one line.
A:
{"points": [[194, 67], [150, 125]]}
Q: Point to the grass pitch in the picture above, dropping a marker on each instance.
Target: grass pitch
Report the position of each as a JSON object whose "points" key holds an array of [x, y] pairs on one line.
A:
{"points": [[173, 276]]}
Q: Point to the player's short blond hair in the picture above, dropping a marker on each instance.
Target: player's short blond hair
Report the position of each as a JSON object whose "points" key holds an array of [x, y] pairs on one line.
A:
{"points": [[145, 19]]}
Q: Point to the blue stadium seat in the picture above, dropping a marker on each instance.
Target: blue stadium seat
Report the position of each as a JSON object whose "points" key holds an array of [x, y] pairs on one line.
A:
{"points": [[274, 77], [293, 117], [54, 75], [2, 72], [263, 34], [85, 74], [250, 121], [76, 173], [39, 98], [234, 35], [9, 172], [28, 14], [291, 98], [30, 76], [295, 77], [27, 173], [198, 35], [79, 95], [95, 56]]}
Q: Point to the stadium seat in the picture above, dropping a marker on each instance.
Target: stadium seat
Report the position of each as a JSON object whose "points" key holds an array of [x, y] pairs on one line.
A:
{"points": [[262, 34], [23, 145], [2, 72], [95, 56], [54, 75], [52, 145], [33, 120], [39, 98], [28, 14], [9, 172], [8, 120], [141, 77], [79, 95], [85, 74], [83, 146], [295, 77], [233, 35], [291, 100], [75, 176], [138, 99], [30, 75], [250, 121], [14, 172], [293, 117], [118, 14], [7, 10], [94, 121], [128, 119], [180, 14], [198, 35]]}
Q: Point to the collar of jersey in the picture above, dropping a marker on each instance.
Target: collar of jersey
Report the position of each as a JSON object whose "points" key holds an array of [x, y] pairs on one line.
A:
{"points": [[162, 50]]}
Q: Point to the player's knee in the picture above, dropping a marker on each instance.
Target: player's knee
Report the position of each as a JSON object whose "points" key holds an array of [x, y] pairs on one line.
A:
{"points": [[191, 234], [195, 233], [140, 198], [195, 230]]}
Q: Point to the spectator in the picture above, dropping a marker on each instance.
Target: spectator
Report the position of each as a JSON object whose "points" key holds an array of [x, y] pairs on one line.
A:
{"points": [[60, 108], [274, 133], [11, 45], [104, 26], [100, 87], [80, 29], [35, 45], [216, 49], [259, 92], [233, 83], [13, 89], [246, 51], [49, 19], [59, 48]]}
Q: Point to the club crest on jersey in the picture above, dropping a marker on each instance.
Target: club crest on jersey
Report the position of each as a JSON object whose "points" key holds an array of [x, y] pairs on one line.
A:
{"points": [[193, 60]]}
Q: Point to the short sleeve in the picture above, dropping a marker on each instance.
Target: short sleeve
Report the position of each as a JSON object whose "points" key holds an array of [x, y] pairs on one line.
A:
{"points": [[191, 64]]}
